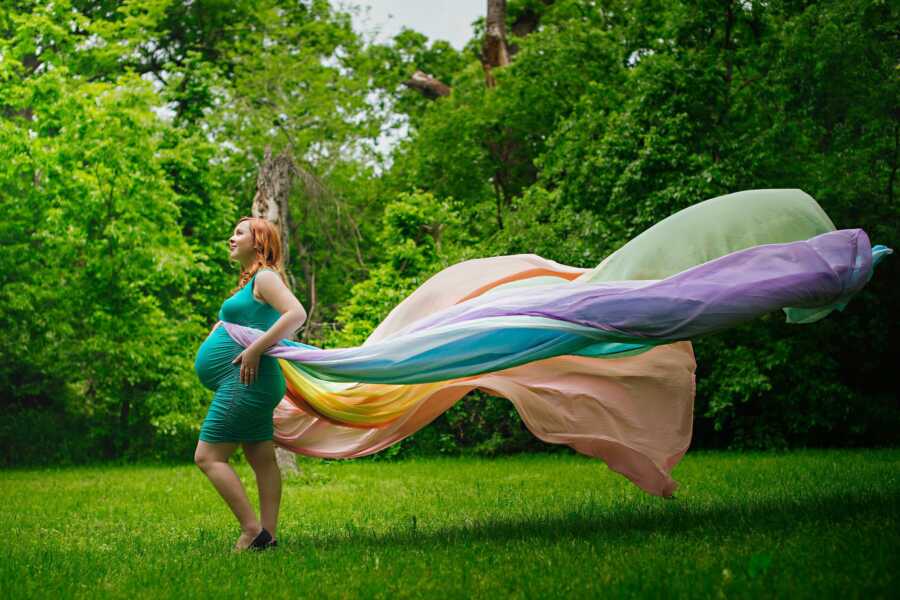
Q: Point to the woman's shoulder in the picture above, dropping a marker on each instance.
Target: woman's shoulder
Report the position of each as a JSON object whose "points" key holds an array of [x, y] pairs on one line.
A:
{"points": [[263, 272], [262, 269], [267, 285]]}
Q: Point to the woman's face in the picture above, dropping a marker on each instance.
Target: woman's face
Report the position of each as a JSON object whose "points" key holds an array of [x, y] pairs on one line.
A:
{"points": [[240, 244]]}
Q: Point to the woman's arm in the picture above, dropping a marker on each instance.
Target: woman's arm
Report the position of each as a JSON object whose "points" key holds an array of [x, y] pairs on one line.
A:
{"points": [[273, 290]]}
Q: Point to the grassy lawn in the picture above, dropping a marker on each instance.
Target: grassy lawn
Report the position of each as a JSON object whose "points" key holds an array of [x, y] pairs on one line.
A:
{"points": [[813, 523]]}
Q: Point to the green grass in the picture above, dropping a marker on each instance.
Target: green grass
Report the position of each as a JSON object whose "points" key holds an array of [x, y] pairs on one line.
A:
{"points": [[814, 523]]}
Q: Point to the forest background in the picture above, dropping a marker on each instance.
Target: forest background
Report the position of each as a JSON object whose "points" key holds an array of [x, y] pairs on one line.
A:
{"points": [[131, 135]]}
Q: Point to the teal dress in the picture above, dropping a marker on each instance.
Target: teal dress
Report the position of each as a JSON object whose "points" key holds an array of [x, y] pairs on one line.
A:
{"points": [[239, 412]]}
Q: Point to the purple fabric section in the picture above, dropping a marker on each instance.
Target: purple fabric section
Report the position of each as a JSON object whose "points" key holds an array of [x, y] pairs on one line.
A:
{"points": [[709, 297]]}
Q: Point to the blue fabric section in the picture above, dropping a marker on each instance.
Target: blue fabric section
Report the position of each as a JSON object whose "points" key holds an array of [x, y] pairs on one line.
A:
{"points": [[519, 333], [481, 352]]}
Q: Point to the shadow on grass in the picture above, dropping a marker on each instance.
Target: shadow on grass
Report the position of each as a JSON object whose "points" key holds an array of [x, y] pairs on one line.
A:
{"points": [[589, 521]]}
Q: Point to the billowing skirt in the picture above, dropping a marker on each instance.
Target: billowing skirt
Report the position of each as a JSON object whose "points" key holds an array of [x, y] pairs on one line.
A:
{"points": [[596, 358], [238, 412]]}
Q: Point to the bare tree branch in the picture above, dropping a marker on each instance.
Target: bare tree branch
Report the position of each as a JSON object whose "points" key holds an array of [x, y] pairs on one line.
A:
{"points": [[429, 86]]}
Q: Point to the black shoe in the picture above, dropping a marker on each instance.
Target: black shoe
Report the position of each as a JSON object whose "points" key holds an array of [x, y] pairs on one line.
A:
{"points": [[261, 541]]}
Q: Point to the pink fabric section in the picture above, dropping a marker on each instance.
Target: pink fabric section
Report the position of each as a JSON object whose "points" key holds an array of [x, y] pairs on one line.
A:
{"points": [[457, 282], [634, 412]]}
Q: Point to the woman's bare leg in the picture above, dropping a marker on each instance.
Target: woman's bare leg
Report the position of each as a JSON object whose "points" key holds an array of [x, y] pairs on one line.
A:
{"points": [[212, 458], [261, 456]]}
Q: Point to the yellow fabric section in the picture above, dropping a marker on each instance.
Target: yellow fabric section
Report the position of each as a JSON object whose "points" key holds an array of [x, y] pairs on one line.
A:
{"points": [[369, 404]]}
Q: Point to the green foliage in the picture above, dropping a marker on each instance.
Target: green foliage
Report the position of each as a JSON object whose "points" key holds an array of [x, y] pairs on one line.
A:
{"points": [[102, 262], [412, 229], [390, 65], [99, 272], [543, 223]]}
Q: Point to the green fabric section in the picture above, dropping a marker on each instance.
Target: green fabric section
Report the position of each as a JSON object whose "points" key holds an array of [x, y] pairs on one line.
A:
{"points": [[714, 228]]}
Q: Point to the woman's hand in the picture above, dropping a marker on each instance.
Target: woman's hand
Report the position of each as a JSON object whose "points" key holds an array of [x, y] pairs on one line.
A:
{"points": [[249, 360]]}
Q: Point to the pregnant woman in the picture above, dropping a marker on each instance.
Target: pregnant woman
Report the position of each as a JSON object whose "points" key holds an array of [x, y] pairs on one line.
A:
{"points": [[248, 385]]}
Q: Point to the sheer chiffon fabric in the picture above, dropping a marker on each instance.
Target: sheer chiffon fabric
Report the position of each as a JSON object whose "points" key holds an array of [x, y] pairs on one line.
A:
{"points": [[599, 359]]}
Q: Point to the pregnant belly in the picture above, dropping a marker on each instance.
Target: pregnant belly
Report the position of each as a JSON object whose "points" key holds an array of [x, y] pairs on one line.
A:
{"points": [[213, 361], [213, 365]]}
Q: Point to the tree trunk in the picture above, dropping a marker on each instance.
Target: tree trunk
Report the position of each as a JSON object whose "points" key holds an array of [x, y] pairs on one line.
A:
{"points": [[311, 286], [273, 188], [494, 52]]}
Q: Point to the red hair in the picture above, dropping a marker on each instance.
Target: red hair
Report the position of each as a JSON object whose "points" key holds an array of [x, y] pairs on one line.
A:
{"points": [[267, 242]]}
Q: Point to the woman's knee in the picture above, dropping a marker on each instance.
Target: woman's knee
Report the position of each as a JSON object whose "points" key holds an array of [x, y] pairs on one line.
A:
{"points": [[202, 459], [206, 455], [260, 455]]}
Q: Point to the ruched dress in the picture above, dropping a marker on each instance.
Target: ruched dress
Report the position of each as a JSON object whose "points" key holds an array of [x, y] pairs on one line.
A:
{"points": [[239, 412]]}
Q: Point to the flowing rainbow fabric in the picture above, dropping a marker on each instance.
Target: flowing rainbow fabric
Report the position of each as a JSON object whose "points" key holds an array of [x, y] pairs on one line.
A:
{"points": [[598, 359]]}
